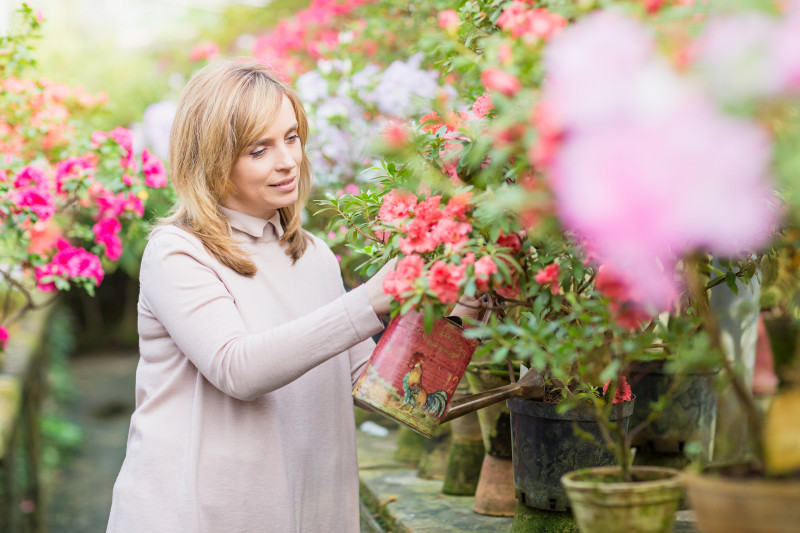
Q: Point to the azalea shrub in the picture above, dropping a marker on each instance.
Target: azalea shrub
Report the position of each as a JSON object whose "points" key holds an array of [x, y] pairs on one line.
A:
{"points": [[69, 197], [600, 168]]}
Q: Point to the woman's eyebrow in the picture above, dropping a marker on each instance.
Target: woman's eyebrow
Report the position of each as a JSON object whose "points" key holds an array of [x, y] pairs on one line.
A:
{"points": [[270, 141]]}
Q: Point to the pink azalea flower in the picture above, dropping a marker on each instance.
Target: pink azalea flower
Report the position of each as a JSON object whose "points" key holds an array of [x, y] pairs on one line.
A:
{"points": [[207, 51], [485, 267], [448, 20], [428, 210], [623, 394], [98, 138], [448, 231], [396, 134], [70, 168], [44, 235], [444, 279], [511, 240], [549, 274], [458, 205], [482, 105], [31, 176], [69, 263], [3, 337], [106, 232], [403, 278], [153, 169], [396, 207], [36, 199], [501, 81], [419, 239], [647, 176], [523, 22]]}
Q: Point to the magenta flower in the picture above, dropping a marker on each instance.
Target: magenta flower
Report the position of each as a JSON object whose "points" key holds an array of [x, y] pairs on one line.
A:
{"points": [[3, 337], [69, 263], [31, 176], [36, 199], [154, 173], [70, 168], [106, 233]]}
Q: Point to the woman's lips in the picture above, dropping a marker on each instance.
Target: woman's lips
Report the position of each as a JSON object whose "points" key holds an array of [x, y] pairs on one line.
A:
{"points": [[285, 185]]}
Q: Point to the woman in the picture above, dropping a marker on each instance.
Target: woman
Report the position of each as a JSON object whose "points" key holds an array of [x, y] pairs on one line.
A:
{"points": [[249, 343]]}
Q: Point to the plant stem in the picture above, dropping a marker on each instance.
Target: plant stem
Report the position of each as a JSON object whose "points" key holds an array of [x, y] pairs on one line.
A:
{"points": [[699, 294]]}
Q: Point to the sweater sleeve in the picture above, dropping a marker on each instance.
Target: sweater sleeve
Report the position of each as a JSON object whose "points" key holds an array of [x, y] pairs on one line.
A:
{"points": [[184, 293]]}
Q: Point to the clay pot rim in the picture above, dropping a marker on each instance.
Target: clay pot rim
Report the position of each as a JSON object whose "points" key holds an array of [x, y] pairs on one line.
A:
{"points": [[722, 482], [673, 479]]}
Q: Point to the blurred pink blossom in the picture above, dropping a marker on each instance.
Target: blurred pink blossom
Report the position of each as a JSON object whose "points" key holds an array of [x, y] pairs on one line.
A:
{"points": [[448, 20], [484, 268], [153, 169], [207, 50], [3, 337], [501, 81], [650, 174], [482, 105]]}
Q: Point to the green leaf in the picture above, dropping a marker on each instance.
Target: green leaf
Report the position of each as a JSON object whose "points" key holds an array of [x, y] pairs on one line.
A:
{"points": [[730, 281]]}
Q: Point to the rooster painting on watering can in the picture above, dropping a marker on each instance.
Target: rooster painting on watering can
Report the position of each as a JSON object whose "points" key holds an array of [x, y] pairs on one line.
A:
{"points": [[415, 393]]}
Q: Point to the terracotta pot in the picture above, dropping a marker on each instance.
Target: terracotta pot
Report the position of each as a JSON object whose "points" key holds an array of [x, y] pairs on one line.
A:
{"points": [[494, 495], [466, 452], [731, 505], [602, 506], [545, 447], [495, 420]]}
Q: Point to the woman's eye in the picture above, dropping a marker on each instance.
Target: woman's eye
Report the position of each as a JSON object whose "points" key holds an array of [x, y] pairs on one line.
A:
{"points": [[292, 138], [258, 153]]}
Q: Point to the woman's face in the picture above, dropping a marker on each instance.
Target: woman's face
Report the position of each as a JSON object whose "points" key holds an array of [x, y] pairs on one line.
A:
{"points": [[267, 172]]}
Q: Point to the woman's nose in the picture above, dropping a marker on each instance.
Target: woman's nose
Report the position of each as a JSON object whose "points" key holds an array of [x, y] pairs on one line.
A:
{"points": [[286, 160]]}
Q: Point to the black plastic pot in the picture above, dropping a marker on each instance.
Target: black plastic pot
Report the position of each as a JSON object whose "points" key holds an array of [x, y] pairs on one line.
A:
{"points": [[544, 447], [690, 415]]}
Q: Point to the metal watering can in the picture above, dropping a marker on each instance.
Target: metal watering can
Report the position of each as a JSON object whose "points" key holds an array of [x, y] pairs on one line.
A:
{"points": [[412, 375]]}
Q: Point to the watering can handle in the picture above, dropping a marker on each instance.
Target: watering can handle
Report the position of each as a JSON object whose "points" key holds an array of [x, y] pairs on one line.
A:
{"points": [[530, 386]]}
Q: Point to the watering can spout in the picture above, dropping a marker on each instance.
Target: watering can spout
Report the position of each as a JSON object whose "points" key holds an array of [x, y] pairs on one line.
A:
{"points": [[530, 386]]}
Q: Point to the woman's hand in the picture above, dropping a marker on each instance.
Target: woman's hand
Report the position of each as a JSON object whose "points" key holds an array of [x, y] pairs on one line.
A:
{"points": [[471, 308], [377, 298]]}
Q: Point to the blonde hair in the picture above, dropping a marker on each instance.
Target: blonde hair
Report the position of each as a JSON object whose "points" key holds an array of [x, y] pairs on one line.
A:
{"points": [[225, 107]]}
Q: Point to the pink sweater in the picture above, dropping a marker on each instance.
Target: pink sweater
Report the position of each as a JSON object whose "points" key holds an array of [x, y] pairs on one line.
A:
{"points": [[244, 416]]}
